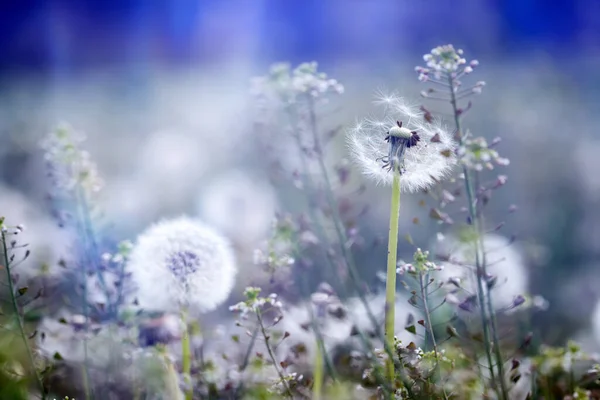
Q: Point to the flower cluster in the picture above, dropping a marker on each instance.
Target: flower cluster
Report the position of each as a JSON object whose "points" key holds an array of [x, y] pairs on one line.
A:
{"points": [[287, 85], [69, 165], [477, 154], [255, 302], [444, 60], [421, 264]]}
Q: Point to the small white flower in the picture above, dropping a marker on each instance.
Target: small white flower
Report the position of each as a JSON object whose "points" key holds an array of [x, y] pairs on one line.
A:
{"points": [[422, 151], [182, 263]]}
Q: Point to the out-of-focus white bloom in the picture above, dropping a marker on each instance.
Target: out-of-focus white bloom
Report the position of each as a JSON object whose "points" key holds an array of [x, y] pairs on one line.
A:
{"points": [[338, 325], [504, 262], [225, 351], [169, 162], [113, 355], [63, 339], [130, 202], [239, 206], [360, 318], [421, 165], [182, 263]]}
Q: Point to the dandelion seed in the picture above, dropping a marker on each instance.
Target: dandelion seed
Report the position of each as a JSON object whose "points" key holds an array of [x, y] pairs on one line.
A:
{"points": [[403, 141], [182, 263]]}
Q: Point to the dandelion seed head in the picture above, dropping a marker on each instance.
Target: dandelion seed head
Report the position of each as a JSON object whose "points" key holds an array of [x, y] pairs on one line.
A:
{"points": [[422, 165], [182, 263]]}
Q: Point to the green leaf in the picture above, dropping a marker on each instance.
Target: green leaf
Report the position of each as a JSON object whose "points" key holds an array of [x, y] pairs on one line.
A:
{"points": [[412, 329], [22, 290], [57, 356]]}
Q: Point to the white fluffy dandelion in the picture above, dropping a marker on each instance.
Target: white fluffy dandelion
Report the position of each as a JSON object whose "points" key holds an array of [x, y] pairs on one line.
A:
{"points": [[422, 151], [182, 263]]}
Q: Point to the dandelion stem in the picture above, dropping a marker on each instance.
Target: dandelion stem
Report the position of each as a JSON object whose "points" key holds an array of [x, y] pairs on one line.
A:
{"points": [[480, 267], [18, 319], [318, 372], [390, 284], [186, 363], [339, 229], [341, 234], [284, 382]]}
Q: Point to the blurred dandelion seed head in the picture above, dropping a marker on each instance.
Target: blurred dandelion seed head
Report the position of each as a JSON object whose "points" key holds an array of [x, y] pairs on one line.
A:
{"points": [[505, 264], [182, 263], [430, 160], [239, 205]]}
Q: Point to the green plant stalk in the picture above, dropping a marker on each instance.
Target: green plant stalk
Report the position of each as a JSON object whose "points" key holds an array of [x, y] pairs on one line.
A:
{"points": [[492, 314], [80, 201], [390, 283], [346, 254], [429, 332], [186, 358], [88, 230], [246, 361], [480, 267], [313, 216], [318, 372], [170, 378], [341, 234], [15, 307], [284, 382]]}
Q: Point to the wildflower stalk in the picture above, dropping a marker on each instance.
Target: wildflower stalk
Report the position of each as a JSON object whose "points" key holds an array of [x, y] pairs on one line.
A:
{"points": [[186, 358], [485, 301], [18, 319], [429, 333], [390, 284], [240, 387], [170, 377], [80, 198], [266, 336], [318, 372]]}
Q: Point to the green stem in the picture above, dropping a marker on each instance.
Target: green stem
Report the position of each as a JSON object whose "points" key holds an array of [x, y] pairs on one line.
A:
{"points": [[318, 372], [491, 312], [480, 266], [339, 229], [341, 233], [186, 363], [16, 310], [170, 378], [284, 382], [87, 260], [429, 332], [390, 284]]}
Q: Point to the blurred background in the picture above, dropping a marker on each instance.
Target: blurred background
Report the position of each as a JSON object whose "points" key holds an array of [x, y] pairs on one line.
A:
{"points": [[161, 88]]}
